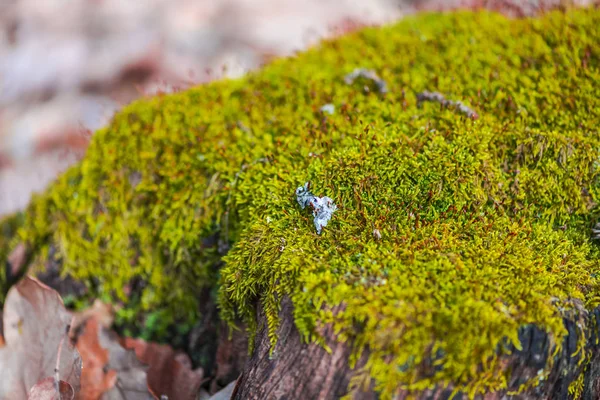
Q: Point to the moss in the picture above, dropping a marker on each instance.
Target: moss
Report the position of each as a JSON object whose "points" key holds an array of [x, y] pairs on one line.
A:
{"points": [[8, 231], [483, 226]]}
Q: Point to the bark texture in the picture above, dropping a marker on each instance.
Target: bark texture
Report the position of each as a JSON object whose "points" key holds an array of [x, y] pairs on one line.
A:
{"points": [[298, 370], [295, 370]]}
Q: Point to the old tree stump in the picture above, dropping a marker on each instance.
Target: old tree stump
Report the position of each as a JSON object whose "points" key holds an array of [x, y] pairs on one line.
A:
{"points": [[303, 370], [441, 248]]}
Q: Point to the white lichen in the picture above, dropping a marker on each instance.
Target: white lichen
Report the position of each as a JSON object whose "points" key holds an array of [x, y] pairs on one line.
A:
{"points": [[323, 207], [303, 195]]}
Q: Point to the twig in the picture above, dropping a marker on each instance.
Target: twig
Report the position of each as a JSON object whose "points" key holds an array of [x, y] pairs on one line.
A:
{"points": [[439, 98]]}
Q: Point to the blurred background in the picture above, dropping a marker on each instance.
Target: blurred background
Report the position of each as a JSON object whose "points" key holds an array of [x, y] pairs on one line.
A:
{"points": [[67, 65]]}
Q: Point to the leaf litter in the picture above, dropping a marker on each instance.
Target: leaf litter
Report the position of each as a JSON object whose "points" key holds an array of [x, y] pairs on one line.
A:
{"points": [[94, 362]]}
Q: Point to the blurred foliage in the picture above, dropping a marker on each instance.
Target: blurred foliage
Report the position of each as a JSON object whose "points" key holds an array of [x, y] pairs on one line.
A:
{"points": [[8, 239], [484, 223]]}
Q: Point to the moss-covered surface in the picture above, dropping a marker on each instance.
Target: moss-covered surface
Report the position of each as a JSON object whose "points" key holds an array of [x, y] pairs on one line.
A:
{"points": [[8, 233], [484, 223]]}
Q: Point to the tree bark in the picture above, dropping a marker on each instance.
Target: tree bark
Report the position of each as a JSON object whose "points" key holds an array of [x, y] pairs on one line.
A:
{"points": [[295, 370], [299, 370]]}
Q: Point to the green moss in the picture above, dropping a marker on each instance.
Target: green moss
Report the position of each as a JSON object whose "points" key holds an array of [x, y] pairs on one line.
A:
{"points": [[8, 231], [484, 224]]}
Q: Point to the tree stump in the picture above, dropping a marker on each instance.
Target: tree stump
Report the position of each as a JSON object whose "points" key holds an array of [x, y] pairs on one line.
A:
{"points": [[299, 370], [295, 370]]}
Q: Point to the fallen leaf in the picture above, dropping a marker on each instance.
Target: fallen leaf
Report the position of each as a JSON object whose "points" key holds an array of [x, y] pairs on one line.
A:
{"points": [[169, 373], [110, 372], [131, 383], [46, 390], [35, 324], [95, 378], [225, 393]]}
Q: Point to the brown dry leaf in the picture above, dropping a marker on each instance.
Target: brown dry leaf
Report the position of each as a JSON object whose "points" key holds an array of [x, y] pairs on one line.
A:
{"points": [[45, 390], [95, 378], [35, 323], [225, 393], [168, 374], [110, 372], [131, 381]]}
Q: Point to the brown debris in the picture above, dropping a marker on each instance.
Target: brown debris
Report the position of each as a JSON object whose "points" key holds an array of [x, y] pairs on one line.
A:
{"points": [[169, 373], [367, 74]]}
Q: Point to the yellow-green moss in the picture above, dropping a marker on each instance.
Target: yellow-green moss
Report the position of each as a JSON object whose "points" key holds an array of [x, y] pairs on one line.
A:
{"points": [[484, 224], [8, 231]]}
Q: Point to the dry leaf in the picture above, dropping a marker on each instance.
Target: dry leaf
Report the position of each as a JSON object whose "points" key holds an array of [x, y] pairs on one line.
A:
{"points": [[110, 372], [168, 374], [45, 390], [131, 381], [225, 393], [95, 378], [35, 323]]}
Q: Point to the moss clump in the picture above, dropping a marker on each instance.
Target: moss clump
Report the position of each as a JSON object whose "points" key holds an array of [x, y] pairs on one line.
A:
{"points": [[8, 232], [484, 224]]}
